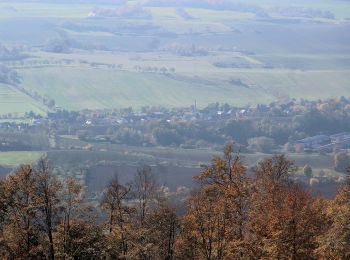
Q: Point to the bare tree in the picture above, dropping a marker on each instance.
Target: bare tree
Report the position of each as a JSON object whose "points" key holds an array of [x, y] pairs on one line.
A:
{"points": [[71, 201], [47, 189], [113, 202], [144, 191]]}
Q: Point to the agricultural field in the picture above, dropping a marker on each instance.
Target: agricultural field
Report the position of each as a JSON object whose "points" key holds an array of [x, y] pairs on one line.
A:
{"points": [[165, 57], [13, 101], [96, 89], [14, 159]]}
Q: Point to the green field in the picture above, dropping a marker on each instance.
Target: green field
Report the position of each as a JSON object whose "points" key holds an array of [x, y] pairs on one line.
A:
{"points": [[79, 88], [13, 101], [14, 159]]}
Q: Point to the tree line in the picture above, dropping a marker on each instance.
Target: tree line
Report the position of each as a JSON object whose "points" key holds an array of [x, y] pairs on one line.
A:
{"points": [[232, 214]]}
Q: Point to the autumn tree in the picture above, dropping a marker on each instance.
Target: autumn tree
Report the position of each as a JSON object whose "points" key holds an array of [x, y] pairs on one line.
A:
{"points": [[162, 227], [335, 242], [204, 228], [119, 213], [71, 203], [86, 237], [154, 224], [3, 204], [217, 214], [3, 217], [283, 221], [268, 215], [140, 223], [78, 235], [144, 193], [21, 232], [38, 223]]}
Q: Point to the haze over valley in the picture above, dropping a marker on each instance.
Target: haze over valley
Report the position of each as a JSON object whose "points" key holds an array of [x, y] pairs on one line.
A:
{"points": [[138, 129]]}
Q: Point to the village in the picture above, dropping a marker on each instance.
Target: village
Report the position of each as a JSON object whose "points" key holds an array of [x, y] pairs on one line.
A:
{"points": [[284, 126]]}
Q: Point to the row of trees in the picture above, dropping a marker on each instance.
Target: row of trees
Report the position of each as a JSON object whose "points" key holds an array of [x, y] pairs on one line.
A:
{"points": [[42, 217], [232, 215], [8, 76], [11, 52]]}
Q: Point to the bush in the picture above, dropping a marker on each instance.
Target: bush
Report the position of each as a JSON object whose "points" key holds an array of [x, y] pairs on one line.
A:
{"points": [[307, 170], [261, 144], [166, 137], [341, 162]]}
